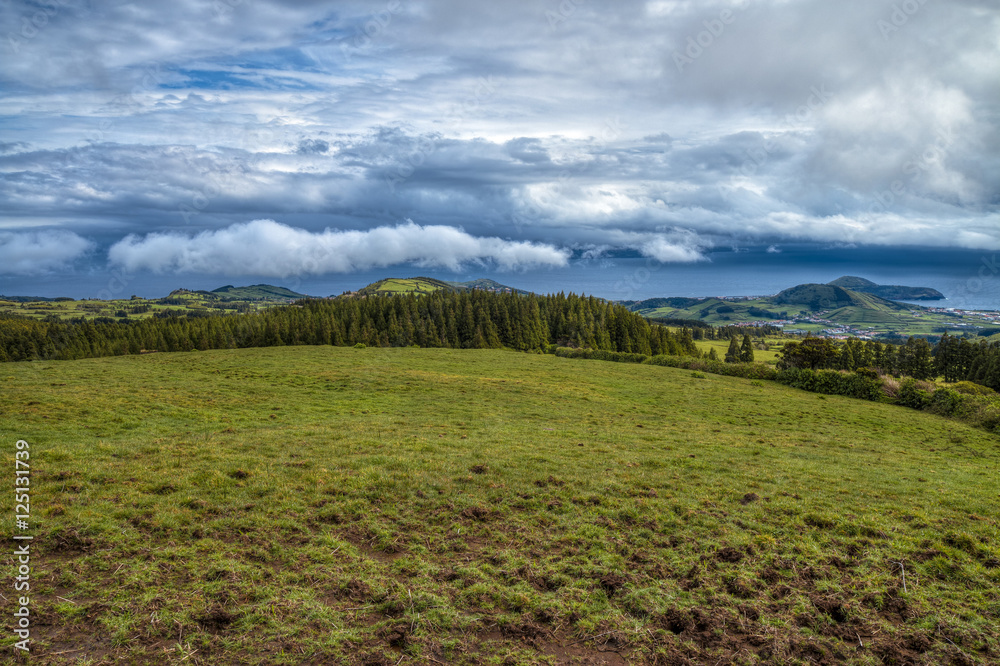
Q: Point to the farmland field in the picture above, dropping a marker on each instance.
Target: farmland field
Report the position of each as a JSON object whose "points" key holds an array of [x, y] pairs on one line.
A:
{"points": [[429, 506]]}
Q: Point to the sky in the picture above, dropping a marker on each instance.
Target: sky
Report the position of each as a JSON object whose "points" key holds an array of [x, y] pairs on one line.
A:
{"points": [[231, 141]]}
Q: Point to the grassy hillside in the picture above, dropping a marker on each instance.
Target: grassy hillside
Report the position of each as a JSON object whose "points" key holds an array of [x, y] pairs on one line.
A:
{"points": [[424, 285], [895, 292], [392, 506]]}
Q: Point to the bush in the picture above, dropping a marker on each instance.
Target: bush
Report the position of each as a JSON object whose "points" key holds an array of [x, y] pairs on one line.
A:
{"points": [[970, 388], [600, 355], [911, 396], [946, 402]]}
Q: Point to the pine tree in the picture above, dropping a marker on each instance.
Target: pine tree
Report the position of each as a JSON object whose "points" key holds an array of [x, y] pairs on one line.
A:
{"points": [[733, 354], [746, 350]]}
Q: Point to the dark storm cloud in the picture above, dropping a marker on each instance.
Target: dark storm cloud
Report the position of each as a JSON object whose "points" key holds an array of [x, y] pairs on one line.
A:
{"points": [[666, 127]]}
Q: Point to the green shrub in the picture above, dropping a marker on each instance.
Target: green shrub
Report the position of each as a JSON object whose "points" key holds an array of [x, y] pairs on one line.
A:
{"points": [[945, 402], [911, 396], [970, 388]]}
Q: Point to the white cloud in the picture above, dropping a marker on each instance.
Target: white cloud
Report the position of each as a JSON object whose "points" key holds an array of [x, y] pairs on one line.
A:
{"points": [[267, 248], [38, 252], [666, 251]]}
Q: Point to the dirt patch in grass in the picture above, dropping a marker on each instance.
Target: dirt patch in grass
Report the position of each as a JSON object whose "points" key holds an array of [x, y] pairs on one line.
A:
{"points": [[478, 513], [215, 619], [728, 554]]}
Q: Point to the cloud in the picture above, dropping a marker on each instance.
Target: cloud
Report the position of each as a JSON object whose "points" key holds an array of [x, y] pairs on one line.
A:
{"points": [[312, 147], [557, 125], [40, 252], [267, 248], [664, 251]]}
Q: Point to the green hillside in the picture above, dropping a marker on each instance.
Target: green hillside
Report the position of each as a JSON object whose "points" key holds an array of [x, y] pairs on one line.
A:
{"points": [[892, 292], [425, 285], [317, 505]]}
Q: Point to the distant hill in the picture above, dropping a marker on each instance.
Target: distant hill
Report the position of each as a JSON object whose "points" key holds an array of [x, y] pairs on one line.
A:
{"points": [[255, 292], [815, 308], [33, 299], [264, 292], [831, 297], [672, 302], [891, 292], [425, 285]]}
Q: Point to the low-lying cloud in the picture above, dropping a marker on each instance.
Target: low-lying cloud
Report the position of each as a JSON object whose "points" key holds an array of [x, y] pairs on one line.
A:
{"points": [[39, 252], [268, 248]]}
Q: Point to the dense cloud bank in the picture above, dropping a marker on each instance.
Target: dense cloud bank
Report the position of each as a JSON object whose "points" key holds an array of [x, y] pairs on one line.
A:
{"points": [[509, 133]]}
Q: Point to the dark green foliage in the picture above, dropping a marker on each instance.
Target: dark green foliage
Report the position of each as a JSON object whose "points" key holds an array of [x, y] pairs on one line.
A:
{"points": [[462, 320], [600, 355], [733, 353], [960, 360], [746, 350], [911, 396], [811, 353], [831, 382]]}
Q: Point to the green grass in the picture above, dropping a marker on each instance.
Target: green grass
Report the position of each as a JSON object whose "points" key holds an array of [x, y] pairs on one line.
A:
{"points": [[382, 506], [769, 355]]}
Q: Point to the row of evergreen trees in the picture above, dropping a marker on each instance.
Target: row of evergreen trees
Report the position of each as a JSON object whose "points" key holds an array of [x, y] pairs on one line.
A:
{"points": [[477, 319], [956, 359]]}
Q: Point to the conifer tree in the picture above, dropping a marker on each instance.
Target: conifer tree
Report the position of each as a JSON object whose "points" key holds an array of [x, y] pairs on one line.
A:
{"points": [[733, 353]]}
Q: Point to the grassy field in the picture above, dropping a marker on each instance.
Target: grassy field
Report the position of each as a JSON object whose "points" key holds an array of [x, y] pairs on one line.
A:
{"points": [[403, 506], [770, 355]]}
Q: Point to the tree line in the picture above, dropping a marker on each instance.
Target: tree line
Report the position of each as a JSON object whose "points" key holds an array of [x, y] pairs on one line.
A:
{"points": [[476, 319], [955, 359]]}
